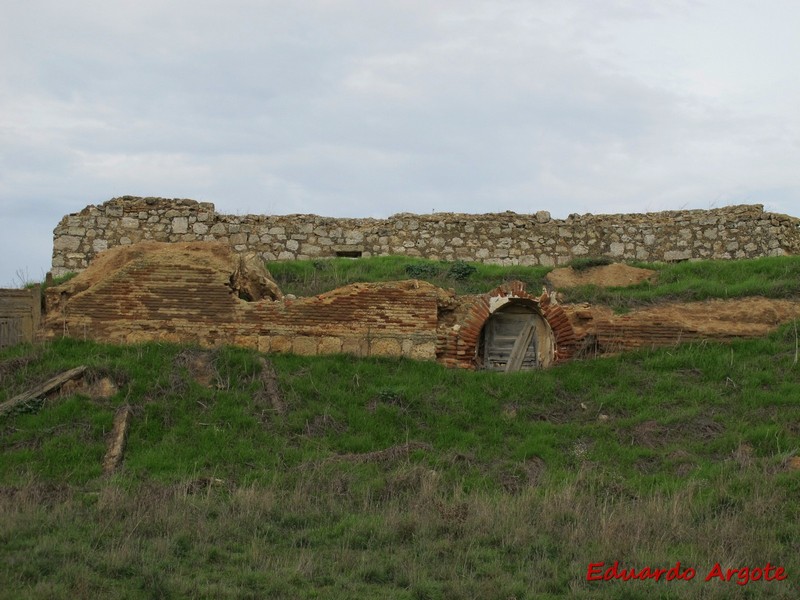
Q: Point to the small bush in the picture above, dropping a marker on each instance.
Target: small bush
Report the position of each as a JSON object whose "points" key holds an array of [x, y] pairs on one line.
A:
{"points": [[582, 264], [460, 270], [422, 270]]}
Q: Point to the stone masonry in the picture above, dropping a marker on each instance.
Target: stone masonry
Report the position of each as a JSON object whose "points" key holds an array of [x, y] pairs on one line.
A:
{"points": [[732, 232]]}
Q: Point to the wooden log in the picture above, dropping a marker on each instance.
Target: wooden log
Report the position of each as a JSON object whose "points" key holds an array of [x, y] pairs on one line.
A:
{"points": [[271, 387], [41, 390], [119, 435]]}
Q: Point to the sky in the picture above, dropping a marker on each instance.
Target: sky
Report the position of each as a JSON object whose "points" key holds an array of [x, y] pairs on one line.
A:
{"points": [[367, 108]]}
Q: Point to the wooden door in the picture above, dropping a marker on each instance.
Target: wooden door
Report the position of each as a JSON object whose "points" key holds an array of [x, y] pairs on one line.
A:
{"points": [[10, 331], [509, 340]]}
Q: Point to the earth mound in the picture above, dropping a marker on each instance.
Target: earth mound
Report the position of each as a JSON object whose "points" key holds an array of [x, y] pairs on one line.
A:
{"points": [[244, 275], [614, 275]]}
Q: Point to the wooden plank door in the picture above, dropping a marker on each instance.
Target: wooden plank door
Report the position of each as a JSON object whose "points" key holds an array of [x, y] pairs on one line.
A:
{"points": [[510, 341]]}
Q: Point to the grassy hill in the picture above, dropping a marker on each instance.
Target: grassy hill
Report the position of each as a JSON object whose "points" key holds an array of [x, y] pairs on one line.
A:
{"points": [[379, 478], [774, 277]]}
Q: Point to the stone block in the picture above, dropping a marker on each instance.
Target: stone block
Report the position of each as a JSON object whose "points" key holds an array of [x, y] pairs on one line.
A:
{"points": [[180, 225], [280, 343], [330, 345], [238, 238], [355, 345], [423, 351], [617, 249], [304, 345], [675, 255], [385, 347], [67, 242], [246, 341]]}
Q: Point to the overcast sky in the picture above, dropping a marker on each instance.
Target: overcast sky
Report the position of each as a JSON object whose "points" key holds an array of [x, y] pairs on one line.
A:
{"points": [[374, 107]]}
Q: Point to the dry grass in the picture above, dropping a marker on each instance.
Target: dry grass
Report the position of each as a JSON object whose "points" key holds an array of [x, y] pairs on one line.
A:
{"points": [[423, 539]]}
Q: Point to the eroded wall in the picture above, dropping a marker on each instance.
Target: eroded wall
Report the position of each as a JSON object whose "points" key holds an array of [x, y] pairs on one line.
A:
{"points": [[503, 238], [184, 292]]}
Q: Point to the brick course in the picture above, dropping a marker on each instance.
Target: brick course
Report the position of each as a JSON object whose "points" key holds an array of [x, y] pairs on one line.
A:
{"points": [[183, 292]]}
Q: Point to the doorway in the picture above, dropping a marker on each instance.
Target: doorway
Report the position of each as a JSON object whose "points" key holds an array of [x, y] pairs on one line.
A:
{"points": [[515, 338]]}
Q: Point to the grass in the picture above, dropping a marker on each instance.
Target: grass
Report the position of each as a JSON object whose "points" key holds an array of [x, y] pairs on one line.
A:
{"points": [[26, 283], [499, 486], [772, 277], [312, 277]]}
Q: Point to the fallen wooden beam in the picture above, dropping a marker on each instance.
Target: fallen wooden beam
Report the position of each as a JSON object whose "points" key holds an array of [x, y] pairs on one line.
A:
{"points": [[119, 435], [271, 388], [41, 390]]}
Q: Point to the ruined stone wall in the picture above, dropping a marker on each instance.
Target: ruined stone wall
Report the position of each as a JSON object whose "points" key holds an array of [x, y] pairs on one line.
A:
{"points": [[731, 232]]}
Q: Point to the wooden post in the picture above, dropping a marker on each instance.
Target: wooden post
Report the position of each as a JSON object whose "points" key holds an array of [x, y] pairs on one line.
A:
{"points": [[116, 445]]}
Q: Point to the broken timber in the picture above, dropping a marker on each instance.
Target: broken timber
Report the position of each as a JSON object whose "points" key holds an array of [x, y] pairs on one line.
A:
{"points": [[41, 390], [520, 346], [271, 387], [116, 445]]}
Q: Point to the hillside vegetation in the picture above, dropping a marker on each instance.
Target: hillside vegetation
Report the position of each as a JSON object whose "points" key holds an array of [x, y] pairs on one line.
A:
{"points": [[774, 277], [391, 478]]}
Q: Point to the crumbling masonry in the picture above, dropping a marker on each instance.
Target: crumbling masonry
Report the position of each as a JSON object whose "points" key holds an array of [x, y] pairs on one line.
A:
{"points": [[731, 232], [204, 293]]}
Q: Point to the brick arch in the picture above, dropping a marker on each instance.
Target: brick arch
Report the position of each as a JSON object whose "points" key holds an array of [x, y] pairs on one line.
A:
{"points": [[457, 346]]}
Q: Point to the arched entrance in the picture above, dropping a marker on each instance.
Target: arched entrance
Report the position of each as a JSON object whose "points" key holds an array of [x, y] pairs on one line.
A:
{"points": [[515, 337]]}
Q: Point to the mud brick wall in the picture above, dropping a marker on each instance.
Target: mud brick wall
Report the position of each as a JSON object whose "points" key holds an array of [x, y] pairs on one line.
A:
{"points": [[184, 292], [731, 232], [165, 296]]}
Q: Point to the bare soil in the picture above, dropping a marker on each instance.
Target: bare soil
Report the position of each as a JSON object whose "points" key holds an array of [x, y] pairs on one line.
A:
{"points": [[616, 275], [747, 317]]}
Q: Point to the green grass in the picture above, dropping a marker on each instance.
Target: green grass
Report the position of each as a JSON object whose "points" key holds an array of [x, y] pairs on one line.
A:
{"points": [[56, 281], [772, 277], [311, 277], [512, 486]]}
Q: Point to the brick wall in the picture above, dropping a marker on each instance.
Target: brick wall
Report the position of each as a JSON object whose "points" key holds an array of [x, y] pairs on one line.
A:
{"points": [[182, 292]]}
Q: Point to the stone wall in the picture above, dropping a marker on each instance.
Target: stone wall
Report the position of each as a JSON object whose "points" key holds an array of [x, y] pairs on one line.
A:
{"points": [[731, 232]]}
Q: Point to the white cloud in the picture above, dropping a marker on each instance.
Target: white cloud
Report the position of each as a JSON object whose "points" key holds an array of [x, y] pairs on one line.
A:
{"points": [[348, 107]]}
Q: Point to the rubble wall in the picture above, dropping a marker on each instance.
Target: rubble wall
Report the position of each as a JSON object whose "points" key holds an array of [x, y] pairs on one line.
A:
{"points": [[731, 232]]}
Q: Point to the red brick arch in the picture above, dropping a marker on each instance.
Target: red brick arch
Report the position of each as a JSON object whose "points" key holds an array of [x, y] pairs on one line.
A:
{"points": [[457, 345]]}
